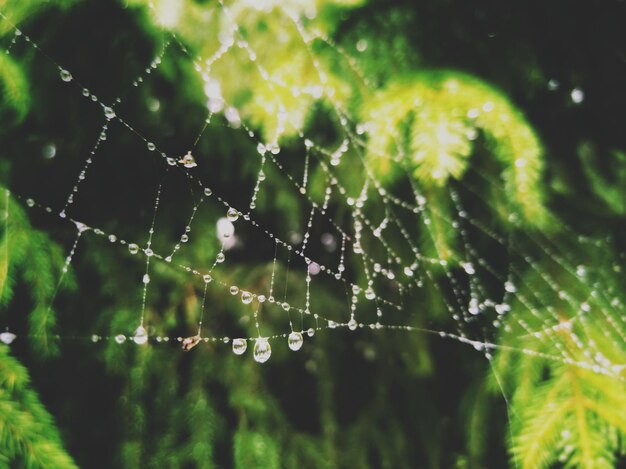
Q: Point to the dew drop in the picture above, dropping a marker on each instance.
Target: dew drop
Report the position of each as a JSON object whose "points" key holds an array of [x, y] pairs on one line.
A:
{"points": [[310, 332], [262, 350], [246, 297], [239, 346], [141, 336], [295, 341], [133, 248], [30, 202], [184, 238], [149, 252], [352, 324], [469, 268], [232, 214], [65, 75], [207, 278], [109, 113], [188, 161], [120, 338], [332, 324], [85, 92], [151, 146], [112, 238], [7, 337], [220, 257], [146, 279], [234, 290], [208, 192], [370, 294]]}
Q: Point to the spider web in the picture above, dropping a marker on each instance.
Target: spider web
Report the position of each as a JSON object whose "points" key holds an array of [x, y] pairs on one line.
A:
{"points": [[360, 245]]}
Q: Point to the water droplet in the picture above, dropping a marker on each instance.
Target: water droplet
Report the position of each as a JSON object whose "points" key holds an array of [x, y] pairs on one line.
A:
{"points": [[261, 176], [262, 350], [352, 324], [190, 342], [246, 297], [95, 338], [188, 161], [30, 202], [141, 336], [109, 113], [120, 338], [207, 278], [151, 146], [232, 214], [85, 92], [469, 268], [239, 346], [577, 95], [149, 252], [184, 238], [112, 238], [7, 337], [261, 298], [295, 341], [370, 294], [133, 248], [509, 287], [65, 75], [220, 257], [310, 332], [207, 192], [234, 290], [332, 324], [146, 279]]}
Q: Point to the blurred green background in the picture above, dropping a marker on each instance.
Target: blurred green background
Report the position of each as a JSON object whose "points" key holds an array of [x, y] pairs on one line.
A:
{"points": [[516, 107]]}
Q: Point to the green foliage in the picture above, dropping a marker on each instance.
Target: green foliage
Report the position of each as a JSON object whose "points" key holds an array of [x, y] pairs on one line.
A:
{"points": [[431, 120], [15, 94], [29, 254], [608, 182], [565, 409], [28, 436]]}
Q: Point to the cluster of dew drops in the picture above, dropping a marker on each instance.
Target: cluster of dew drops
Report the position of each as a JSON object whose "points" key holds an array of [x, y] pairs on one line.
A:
{"points": [[262, 349]]}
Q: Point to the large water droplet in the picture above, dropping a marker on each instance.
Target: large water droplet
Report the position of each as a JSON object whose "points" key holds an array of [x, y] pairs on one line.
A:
{"points": [[7, 337], [352, 324], [120, 338], [262, 350], [232, 214], [133, 248], [109, 113], [151, 146], [370, 294], [220, 257], [141, 336], [65, 75], [239, 346], [234, 290], [207, 192], [310, 332], [207, 278], [188, 161], [246, 297], [295, 341]]}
